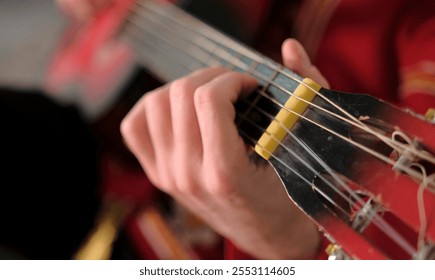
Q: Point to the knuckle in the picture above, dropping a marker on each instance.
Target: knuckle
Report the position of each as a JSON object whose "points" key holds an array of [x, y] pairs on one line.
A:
{"points": [[187, 186], [185, 180], [127, 127], [204, 95], [180, 88], [152, 100], [154, 103], [222, 183]]}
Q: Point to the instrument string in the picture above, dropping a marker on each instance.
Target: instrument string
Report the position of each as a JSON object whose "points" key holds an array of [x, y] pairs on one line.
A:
{"points": [[306, 180], [329, 170], [376, 219], [421, 205], [193, 50], [358, 203], [209, 61], [200, 32], [206, 65], [296, 156]]}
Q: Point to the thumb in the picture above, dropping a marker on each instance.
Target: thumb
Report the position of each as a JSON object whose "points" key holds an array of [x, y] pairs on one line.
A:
{"points": [[296, 59]]}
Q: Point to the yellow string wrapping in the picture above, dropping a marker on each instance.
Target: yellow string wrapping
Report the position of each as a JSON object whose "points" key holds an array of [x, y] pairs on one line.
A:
{"points": [[286, 118]]}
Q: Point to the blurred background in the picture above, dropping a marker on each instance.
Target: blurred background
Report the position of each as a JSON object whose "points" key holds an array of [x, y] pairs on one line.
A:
{"points": [[29, 32], [48, 156]]}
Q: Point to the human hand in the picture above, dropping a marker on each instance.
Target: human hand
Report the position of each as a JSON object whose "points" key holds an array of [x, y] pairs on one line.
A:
{"points": [[184, 136], [82, 10], [296, 59]]}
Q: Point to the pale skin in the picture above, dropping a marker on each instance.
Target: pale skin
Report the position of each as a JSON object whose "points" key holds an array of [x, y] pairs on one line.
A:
{"points": [[185, 138]]}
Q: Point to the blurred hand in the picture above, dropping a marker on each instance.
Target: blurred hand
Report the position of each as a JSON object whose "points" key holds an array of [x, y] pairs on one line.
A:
{"points": [[184, 136], [82, 10]]}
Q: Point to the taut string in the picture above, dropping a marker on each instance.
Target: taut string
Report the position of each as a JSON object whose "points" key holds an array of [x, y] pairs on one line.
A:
{"points": [[200, 32], [202, 51]]}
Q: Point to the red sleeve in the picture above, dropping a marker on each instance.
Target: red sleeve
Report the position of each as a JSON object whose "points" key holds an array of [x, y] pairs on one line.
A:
{"points": [[416, 56], [231, 252]]}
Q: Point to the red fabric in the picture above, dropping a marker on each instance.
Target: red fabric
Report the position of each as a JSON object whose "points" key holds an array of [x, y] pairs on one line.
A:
{"points": [[384, 48], [373, 51], [231, 252], [415, 48], [88, 57]]}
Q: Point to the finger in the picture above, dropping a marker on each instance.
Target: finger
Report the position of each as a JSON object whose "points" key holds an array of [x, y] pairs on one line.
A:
{"points": [[216, 114], [188, 143], [159, 121], [136, 135], [186, 128], [296, 59], [147, 130]]}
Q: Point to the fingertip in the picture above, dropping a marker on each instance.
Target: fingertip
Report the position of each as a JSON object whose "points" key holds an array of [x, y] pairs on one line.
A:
{"points": [[289, 43], [247, 85], [250, 82], [296, 59], [129, 127], [125, 126], [294, 55]]}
